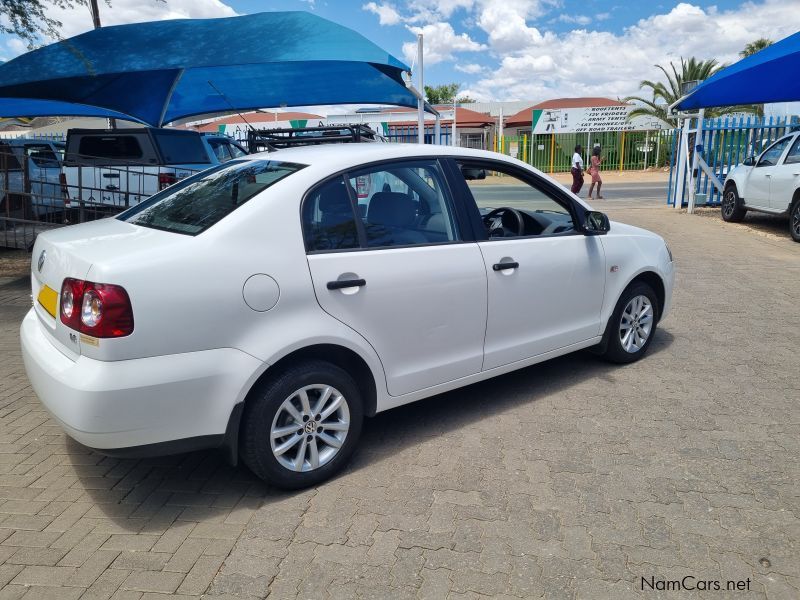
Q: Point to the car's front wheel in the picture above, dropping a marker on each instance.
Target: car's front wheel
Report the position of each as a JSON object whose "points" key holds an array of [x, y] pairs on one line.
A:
{"points": [[732, 209], [632, 324], [794, 220], [302, 425]]}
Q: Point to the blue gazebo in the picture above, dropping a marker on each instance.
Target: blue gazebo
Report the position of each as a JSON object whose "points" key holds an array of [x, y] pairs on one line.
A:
{"points": [[158, 72]]}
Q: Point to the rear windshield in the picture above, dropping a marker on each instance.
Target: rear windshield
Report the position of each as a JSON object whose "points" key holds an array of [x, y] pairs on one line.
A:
{"points": [[110, 146], [8, 160], [195, 204], [180, 147]]}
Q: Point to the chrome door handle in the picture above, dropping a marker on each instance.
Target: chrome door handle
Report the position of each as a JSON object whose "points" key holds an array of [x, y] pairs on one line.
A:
{"points": [[505, 265], [346, 283]]}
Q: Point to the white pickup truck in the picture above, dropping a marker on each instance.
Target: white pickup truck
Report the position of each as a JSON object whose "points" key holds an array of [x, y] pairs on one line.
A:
{"points": [[118, 168], [769, 183]]}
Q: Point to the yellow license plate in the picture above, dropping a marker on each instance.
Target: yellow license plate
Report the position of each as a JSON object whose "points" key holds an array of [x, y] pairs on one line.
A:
{"points": [[48, 298]]}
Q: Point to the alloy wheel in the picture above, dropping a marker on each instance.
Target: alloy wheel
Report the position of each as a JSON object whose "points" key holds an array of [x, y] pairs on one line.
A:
{"points": [[310, 428], [636, 324], [729, 204], [796, 220]]}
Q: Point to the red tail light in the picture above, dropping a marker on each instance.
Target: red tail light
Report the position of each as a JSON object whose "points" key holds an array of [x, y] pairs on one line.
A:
{"points": [[165, 180], [98, 309]]}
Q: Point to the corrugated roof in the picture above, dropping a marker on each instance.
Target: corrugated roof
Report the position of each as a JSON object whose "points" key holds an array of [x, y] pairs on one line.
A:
{"points": [[464, 117]]}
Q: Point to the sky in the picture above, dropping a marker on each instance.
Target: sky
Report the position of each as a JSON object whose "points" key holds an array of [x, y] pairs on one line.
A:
{"points": [[508, 49]]}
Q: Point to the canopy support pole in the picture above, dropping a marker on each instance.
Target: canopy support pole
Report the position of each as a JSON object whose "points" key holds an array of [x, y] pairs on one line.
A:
{"points": [[453, 139], [693, 167], [169, 97], [421, 101]]}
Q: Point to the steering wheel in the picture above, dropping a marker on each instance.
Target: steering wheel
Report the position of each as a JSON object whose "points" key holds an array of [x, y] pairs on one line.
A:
{"points": [[494, 224]]}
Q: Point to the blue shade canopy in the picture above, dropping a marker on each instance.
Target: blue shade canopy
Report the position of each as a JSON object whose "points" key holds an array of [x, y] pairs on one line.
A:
{"points": [[27, 107], [162, 71], [767, 76]]}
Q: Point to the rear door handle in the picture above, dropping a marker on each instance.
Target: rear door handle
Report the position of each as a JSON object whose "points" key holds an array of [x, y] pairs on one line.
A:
{"points": [[346, 283], [505, 265]]}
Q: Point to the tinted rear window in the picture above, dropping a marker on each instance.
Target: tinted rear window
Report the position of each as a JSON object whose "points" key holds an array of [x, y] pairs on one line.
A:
{"points": [[110, 146], [195, 204], [8, 160], [180, 148]]}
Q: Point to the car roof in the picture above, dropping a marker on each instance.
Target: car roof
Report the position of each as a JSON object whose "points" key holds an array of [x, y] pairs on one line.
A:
{"points": [[336, 157]]}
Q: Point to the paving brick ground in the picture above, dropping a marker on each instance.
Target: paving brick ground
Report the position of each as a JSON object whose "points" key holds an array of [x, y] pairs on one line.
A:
{"points": [[571, 479]]}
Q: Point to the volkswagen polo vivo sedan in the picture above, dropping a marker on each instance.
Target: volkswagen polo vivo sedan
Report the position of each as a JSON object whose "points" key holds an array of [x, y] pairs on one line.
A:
{"points": [[265, 307]]}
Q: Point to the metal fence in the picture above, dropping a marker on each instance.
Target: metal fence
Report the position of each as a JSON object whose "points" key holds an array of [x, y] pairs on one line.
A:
{"points": [[723, 143], [35, 198], [408, 134], [622, 150]]}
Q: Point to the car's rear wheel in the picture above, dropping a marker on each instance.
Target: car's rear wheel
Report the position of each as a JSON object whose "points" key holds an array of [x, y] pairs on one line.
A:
{"points": [[302, 425], [632, 324], [732, 209], [794, 220]]}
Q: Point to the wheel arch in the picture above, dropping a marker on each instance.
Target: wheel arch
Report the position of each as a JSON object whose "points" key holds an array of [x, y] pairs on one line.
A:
{"points": [[655, 281], [336, 354], [795, 198]]}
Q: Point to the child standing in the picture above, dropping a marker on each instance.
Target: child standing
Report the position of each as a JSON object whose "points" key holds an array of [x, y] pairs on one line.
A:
{"points": [[594, 171]]}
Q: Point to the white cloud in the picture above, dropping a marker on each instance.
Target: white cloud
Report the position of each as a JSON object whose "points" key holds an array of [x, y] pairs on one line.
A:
{"points": [[16, 46], [440, 42], [577, 19], [77, 20], [387, 14], [469, 68], [535, 65]]}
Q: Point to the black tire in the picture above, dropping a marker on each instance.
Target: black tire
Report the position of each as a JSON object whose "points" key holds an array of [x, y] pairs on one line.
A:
{"points": [[260, 412], [614, 349], [732, 209], [794, 220]]}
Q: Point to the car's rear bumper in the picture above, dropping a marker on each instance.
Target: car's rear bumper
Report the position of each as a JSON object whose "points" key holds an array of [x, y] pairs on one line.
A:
{"points": [[172, 403]]}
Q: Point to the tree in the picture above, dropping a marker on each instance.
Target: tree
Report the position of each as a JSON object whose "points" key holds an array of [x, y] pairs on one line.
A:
{"points": [[444, 94], [756, 46], [664, 94], [28, 20]]}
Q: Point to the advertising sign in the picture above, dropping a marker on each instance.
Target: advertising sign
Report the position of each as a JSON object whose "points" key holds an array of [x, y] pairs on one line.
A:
{"points": [[592, 118]]}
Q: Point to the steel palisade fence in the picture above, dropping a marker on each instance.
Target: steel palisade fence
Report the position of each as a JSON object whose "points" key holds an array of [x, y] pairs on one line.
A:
{"points": [[620, 150]]}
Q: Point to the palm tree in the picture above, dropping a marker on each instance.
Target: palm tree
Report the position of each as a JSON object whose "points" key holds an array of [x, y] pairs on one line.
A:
{"points": [[664, 94], [756, 46]]}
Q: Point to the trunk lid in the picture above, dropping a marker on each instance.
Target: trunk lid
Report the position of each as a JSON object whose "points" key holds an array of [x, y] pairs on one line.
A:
{"points": [[71, 252]]}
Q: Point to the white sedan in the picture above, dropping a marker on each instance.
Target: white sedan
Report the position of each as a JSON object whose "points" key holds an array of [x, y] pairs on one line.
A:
{"points": [[769, 183], [263, 307]]}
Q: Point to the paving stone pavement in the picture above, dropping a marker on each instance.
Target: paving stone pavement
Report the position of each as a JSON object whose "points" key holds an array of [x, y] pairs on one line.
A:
{"points": [[570, 479]]}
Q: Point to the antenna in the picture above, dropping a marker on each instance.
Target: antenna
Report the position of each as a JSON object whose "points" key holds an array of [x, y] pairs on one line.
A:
{"points": [[270, 148], [224, 97]]}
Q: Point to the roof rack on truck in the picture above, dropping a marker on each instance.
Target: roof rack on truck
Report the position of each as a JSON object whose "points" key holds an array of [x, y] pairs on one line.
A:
{"points": [[272, 139]]}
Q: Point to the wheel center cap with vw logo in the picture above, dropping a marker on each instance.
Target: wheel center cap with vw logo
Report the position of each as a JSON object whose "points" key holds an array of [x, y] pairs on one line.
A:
{"points": [[311, 426]]}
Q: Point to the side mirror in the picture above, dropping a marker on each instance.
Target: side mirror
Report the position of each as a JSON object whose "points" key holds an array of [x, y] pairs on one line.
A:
{"points": [[471, 174], [749, 161], [596, 223]]}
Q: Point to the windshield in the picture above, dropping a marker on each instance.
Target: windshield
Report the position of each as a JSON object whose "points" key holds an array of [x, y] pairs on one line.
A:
{"points": [[195, 204]]}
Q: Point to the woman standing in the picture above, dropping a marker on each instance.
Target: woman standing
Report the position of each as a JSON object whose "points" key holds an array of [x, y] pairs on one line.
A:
{"points": [[594, 171], [577, 170]]}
